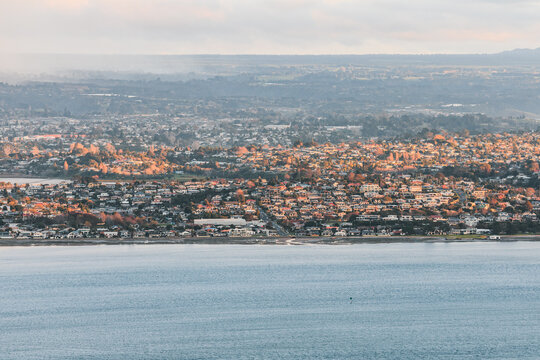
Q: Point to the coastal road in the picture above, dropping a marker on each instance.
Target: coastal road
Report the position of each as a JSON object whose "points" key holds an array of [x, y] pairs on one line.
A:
{"points": [[258, 240]]}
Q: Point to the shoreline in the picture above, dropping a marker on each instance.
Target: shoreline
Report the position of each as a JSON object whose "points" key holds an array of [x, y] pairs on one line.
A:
{"points": [[257, 241]]}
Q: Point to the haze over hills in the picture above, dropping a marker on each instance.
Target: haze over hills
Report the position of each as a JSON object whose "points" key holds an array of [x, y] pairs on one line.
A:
{"points": [[67, 66], [321, 86]]}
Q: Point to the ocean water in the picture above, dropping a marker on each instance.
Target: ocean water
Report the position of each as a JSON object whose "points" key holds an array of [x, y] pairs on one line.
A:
{"points": [[34, 181], [409, 301]]}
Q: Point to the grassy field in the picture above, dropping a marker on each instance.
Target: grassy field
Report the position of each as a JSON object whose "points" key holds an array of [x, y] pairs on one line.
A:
{"points": [[185, 177]]}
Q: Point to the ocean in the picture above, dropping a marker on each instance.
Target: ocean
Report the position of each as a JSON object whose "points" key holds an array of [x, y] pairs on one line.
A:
{"points": [[366, 301], [33, 181]]}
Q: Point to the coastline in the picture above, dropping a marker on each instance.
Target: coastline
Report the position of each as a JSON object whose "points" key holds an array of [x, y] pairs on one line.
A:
{"points": [[257, 241]]}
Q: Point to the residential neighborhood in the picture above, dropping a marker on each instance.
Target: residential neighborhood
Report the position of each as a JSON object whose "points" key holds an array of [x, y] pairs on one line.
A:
{"points": [[438, 184]]}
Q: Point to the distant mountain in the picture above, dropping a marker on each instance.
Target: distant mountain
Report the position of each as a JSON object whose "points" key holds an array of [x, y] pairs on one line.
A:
{"points": [[521, 52]]}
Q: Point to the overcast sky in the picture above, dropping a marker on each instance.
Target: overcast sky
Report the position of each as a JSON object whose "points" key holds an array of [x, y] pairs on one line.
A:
{"points": [[267, 26]]}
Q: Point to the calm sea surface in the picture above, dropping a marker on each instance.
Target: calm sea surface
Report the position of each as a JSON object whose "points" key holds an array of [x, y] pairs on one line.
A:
{"points": [[409, 301], [22, 181]]}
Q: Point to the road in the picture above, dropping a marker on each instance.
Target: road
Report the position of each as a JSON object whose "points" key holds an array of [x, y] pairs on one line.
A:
{"points": [[271, 240], [265, 217]]}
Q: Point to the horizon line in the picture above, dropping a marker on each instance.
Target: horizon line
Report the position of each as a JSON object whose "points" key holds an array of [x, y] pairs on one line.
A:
{"points": [[266, 54]]}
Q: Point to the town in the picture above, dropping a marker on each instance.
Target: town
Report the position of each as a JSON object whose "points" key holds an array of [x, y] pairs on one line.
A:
{"points": [[429, 184]]}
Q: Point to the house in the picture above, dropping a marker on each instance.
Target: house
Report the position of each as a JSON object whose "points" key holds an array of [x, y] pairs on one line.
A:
{"points": [[327, 232], [241, 232]]}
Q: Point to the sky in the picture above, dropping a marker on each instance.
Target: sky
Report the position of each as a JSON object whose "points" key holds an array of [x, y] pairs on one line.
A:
{"points": [[267, 26]]}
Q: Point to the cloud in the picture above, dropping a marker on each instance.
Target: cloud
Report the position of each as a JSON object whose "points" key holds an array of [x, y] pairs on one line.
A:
{"points": [[67, 4], [267, 26]]}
